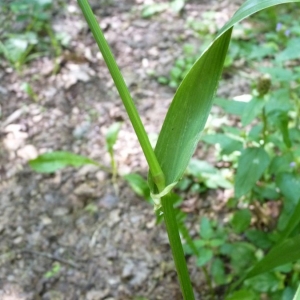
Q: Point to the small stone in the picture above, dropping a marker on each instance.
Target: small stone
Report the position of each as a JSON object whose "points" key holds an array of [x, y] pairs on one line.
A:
{"points": [[87, 169], [100, 175], [97, 295], [109, 201], [60, 211], [128, 270], [81, 130], [113, 281], [53, 295], [140, 275], [114, 217], [18, 240], [112, 253], [84, 190], [28, 152]]}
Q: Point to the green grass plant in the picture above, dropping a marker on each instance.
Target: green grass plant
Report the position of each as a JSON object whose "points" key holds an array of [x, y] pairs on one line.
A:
{"points": [[276, 133]]}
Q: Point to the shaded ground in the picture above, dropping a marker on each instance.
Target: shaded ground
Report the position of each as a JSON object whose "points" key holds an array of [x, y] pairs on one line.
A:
{"points": [[112, 248]]}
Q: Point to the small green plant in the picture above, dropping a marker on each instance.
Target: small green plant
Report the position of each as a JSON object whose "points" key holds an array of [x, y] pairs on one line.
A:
{"points": [[111, 138], [177, 141], [27, 88], [56, 267], [155, 8], [33, 40]]}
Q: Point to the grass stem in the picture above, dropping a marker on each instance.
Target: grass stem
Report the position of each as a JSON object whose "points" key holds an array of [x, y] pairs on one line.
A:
{"points": [[118, 79], [176, 247]]}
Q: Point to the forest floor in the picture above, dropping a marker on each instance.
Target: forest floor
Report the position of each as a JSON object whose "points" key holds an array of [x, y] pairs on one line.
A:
{"points": [[114, 250]]}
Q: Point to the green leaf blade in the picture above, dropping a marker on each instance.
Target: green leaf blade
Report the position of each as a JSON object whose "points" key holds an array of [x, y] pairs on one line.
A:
{"points": [[53, 161], [286, 252], [192, 102], [252, 164], [189, 111]]}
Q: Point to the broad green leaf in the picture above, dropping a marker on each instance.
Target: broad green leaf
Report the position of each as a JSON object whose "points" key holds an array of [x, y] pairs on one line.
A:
{"points": [[286, 252], [278, 73], [53, 161], [192, 102], [139, 185], [243, 295], [255, 133], [281, 164], [259, 238], [267, 282], [198, 167], [268, 191], [252, 110], [288, 294], [291, 51], [206, 230], [227, 144], [289, 185], [293, 221], [205, 255], [251, 165], [279, 100], [231, 106], [297, 295], [215, 243], [241, 220], [177, 5], [218, 271], [242, 255], [152, 9], [206, 173]]}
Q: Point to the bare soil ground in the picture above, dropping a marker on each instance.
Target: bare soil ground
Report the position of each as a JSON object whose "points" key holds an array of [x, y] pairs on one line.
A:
{"points": [[113, 251]]}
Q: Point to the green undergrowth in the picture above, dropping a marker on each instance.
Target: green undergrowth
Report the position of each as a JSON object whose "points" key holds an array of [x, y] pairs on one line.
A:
{"points": [[28, 32]]}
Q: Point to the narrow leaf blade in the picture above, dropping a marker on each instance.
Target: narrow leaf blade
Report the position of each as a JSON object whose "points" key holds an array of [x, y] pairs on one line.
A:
{"points": [[189, 110], [192, 102], [286, 252], [53, 161]]}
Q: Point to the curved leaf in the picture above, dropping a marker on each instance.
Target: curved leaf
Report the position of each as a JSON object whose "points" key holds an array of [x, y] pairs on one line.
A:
{"points": [[192, 102]]}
